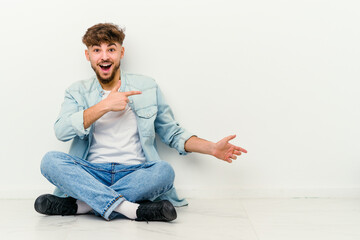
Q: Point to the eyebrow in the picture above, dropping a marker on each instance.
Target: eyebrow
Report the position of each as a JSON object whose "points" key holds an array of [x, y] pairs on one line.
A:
{"points": [[109, 45]]}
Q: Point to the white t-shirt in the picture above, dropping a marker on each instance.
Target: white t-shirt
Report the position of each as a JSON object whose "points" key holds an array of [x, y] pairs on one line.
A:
{"points": [[116, 138]]}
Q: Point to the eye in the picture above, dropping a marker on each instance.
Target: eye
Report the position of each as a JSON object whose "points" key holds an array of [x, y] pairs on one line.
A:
{"points": [[112, 50], [96, 50]]}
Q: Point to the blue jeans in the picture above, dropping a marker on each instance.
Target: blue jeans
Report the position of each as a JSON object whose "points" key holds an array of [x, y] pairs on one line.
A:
{"points": [[103, 186]]}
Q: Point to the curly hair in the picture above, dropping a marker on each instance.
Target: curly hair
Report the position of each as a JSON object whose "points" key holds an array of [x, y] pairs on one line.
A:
{"points": [[103, 33]]}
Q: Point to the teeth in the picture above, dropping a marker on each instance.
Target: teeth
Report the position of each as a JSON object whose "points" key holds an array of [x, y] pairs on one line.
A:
{"points": [[105, 65]]}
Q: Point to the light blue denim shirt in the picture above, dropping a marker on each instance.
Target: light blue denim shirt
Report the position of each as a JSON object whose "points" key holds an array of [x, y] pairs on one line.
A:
{"points": [[152, 115]]}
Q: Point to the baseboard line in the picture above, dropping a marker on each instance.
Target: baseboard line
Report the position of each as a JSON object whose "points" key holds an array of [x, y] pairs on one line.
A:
{"points": [[219, 192], [269, 192]]}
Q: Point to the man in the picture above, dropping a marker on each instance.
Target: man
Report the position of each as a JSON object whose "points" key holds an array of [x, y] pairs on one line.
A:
{"points": [[113, 166]]}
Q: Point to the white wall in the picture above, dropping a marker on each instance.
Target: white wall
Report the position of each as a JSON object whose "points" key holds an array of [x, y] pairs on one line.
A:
{"points": [[282, 75]]}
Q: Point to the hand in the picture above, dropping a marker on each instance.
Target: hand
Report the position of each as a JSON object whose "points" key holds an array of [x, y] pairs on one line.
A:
{"points": [[225, 151], [116, 101]]}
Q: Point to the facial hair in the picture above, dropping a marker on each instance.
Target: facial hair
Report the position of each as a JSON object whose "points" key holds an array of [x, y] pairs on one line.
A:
{"points": [[110, 78]]}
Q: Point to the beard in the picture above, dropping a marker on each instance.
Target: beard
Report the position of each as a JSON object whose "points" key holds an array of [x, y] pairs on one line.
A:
{"points": [[108, 79]]}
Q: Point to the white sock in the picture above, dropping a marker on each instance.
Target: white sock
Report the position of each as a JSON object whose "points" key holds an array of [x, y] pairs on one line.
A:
{"points": [[82, 207], [128, 209]]}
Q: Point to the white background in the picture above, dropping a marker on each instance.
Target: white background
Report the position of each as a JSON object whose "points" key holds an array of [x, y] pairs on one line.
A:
{"points": [[282, 75]]}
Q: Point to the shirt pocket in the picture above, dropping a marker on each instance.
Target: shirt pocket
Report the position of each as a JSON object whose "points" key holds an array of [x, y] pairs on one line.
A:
{"points": [[147, 112], [144, 100], [146, 117]]}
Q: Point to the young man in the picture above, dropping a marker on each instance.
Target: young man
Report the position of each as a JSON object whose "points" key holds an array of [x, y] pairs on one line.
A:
{"points": [[113, 166]]}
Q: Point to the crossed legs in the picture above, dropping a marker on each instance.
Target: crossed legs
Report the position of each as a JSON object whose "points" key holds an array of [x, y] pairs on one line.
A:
{"points": [[104, 186]]}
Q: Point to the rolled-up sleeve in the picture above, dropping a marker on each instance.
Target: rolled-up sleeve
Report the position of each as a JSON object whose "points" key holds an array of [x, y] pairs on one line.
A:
{"points": [[70, 122]]}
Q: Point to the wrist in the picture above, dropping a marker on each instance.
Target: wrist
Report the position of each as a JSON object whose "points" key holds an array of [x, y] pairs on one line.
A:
{"points": [[212, 149], [104, 106]]}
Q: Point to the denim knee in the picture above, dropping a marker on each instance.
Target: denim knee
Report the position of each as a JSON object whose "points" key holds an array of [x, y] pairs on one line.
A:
{"points": [[166, 171], [48, 163]]}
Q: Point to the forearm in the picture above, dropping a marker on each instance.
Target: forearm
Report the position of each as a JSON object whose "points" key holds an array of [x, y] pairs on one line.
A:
{"points": [[94, 113], [195, 144]]}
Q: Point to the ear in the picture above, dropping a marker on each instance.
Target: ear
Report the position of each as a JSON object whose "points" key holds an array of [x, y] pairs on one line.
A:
{"points": [[87, 54], [122, 52]]}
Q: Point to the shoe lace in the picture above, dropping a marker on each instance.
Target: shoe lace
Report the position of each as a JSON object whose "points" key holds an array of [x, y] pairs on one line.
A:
{"points": [[60, 208], [151, 211]]}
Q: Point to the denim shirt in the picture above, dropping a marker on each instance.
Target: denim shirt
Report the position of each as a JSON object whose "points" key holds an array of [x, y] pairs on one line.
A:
{"points": [[151, 111]]}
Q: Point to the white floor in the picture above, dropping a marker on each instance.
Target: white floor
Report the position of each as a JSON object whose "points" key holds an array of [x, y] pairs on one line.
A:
{"points": [[259, 219]]}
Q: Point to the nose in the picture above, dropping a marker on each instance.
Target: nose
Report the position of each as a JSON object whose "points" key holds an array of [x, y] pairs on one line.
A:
{"points": [[104, 56]]}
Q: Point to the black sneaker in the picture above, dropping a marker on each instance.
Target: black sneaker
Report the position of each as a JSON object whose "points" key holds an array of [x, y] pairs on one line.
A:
{"points": [[156, 211], [52, 205]]}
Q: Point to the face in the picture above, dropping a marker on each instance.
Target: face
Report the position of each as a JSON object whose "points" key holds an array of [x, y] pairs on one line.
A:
{"points": [[105, 60]]}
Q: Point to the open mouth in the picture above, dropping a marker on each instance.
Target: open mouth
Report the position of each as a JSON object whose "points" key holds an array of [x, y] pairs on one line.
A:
{"points": [[105, 66]]}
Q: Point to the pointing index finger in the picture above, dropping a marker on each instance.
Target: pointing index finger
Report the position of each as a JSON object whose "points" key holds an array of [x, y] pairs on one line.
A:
{"points": [[130, 93], [241, 149]]}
